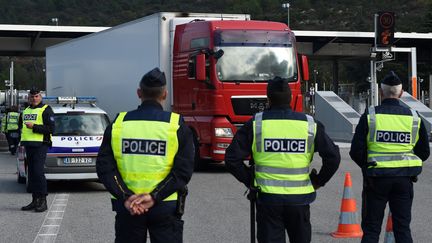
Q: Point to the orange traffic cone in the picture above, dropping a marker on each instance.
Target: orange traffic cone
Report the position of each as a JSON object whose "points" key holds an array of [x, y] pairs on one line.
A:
{"points": [[389, 236], [348, 228]]}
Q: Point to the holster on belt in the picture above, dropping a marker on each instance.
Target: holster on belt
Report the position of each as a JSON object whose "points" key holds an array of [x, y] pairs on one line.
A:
{"points": [[181, 200]]}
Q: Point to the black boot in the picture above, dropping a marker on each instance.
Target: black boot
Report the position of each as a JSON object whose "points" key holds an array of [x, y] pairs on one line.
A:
{"points": [[31, 206], [41, 204]]}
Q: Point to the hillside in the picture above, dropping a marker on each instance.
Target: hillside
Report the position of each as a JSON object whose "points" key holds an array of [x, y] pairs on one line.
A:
{"points": [[411, 16]]}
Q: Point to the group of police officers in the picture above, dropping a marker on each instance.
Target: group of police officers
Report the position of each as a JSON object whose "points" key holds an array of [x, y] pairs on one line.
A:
{"points": [[9, 126], [149, 186], [147, 158]]}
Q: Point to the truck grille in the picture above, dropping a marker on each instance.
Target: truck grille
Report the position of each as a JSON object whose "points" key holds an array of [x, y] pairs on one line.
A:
{"points": [[248, 105]]}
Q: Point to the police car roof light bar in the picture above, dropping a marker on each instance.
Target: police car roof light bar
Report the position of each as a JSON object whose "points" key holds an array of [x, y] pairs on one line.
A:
{"points": [[70, 100], [86, 99]]}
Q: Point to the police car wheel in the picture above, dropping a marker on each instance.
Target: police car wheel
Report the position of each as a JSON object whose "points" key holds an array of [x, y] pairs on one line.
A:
{"points": [[21, 179]]}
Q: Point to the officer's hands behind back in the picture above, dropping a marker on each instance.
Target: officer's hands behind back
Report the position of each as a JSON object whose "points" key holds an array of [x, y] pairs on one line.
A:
{"points": [[139, 203], [314, 179]]}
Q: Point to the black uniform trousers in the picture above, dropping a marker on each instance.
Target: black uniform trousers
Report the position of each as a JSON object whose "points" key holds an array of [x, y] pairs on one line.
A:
{"points": [[399, 193], [35, 161], [162, 223], [274, 220]]}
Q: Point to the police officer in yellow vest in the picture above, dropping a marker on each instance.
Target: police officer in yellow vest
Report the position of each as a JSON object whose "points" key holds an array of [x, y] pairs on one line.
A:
{"points": [[281, 143], [12, 131], [145, 161], [3, 123], [37, 125], [389, 145]]}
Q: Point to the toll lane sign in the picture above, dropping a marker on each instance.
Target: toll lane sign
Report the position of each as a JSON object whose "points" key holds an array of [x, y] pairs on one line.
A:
{"points": [[384, 29]]}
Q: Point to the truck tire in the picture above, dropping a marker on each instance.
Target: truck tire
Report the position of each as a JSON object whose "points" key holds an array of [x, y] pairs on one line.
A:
{"points": [[199, 164], [197, 158]]}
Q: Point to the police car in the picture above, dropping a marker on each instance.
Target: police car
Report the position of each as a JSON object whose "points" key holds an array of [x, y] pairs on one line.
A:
{"points": [[79, 128]]}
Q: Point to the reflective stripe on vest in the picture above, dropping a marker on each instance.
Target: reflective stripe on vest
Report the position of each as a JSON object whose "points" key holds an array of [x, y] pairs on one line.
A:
{"points": [[34, 116], [144, 151], [282, 150], [391, 140], [12, 121]]}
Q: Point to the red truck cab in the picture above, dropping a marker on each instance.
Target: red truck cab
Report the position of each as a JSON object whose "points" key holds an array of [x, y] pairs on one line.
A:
{"points": [[220, 74]]}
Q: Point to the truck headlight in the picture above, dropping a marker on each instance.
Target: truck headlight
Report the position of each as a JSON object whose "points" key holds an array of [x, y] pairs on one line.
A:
{"points": [[225, 132]]}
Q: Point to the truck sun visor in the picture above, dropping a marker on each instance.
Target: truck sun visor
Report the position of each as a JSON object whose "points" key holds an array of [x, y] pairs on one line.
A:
{"points": [[253, 38]]}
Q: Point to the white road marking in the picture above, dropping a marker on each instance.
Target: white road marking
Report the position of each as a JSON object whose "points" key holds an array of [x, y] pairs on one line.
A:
{"points": [[51, 225]]}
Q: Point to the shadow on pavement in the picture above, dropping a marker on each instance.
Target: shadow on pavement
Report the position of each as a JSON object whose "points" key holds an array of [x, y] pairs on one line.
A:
{"points": [[9, 184], [74, 186]]}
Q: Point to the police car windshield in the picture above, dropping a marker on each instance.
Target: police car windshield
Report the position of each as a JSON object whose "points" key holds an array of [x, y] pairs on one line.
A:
{"points": [[82, 124]]}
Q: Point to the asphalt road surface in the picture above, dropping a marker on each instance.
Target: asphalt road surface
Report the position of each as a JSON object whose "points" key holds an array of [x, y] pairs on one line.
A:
{"points": [[216, 210]]}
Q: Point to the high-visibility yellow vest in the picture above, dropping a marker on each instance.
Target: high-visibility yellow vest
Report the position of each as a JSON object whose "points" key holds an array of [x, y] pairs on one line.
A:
{"points": [[3, 124], [34, 116], [144, 151], [282, 150], [12, 121], [391, 139]]}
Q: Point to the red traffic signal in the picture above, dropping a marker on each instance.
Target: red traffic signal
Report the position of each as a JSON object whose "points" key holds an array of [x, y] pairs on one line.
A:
{"points": [[384, 29]]}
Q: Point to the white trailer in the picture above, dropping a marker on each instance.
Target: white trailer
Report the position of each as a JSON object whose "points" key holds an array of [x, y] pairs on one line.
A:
{"points": [[110, 63]]}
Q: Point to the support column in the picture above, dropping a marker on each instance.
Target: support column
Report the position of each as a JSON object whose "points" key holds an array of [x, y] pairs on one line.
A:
{"points": [[374, 84], [414, 72], [430, 91], [336, 76]]}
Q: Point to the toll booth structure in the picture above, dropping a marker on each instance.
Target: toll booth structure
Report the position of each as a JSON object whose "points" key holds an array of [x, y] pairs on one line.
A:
{"points": [[339, 118]]}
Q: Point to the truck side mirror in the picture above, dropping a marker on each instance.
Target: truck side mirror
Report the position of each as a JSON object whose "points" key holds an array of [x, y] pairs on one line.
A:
{"points": [[305, 67], [218, 54], [200, 67]]}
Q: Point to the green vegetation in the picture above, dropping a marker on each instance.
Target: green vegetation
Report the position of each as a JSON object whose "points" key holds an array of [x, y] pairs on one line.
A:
{"points": [[342, 15]]}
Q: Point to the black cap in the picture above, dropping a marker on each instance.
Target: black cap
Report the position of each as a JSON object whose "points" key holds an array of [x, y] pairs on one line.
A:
{"points": [[391, 79], [154, 78], [34, 91], [278, 84]]}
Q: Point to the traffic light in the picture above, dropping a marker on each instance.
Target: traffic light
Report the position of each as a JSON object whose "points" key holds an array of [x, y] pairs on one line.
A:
{"points": [[384, 29]]}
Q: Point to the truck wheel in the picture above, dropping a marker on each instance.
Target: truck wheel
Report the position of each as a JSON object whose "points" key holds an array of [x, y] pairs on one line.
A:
{"points": [[198, 162]]}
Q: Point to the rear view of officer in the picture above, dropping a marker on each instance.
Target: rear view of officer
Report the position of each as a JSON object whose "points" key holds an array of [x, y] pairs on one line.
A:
{"points": [[37, 125], [389, 145], [145, 161], [282, 143]]}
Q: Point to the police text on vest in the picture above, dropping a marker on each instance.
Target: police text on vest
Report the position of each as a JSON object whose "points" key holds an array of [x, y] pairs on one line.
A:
{"points": [[285, 145], [30, 117], [143, 146], [393, 137]]}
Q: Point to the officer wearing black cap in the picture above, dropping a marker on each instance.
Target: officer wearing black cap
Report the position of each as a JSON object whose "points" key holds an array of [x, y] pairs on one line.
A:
{"points": [[281, 143], [389, 145], [36, 125], [145, 161]]}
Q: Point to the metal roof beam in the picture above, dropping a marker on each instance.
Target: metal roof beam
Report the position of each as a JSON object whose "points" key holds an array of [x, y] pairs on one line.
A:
{"points": [[318, 44], [34, 39]]}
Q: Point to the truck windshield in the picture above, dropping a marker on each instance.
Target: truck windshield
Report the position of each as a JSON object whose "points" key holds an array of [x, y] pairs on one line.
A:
{"points": [[255, 56], [80, 124]]}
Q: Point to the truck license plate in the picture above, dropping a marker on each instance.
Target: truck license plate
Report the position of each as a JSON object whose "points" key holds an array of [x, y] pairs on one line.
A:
{"points": [[78, 160]]}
